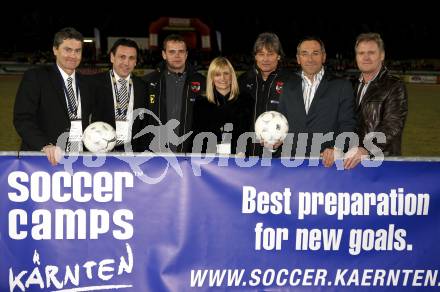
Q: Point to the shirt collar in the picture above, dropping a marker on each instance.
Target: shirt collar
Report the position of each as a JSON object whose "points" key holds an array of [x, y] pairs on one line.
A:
{"points": [[178, 75], [361, 79], [118, 77], [318, 76], [65, 75]]}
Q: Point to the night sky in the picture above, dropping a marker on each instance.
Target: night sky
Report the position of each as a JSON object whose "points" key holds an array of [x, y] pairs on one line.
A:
{"points": [[408, 35]]}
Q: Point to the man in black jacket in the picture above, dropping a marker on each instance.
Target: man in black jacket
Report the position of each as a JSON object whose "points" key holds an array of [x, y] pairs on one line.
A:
{"points": [[173, 89], [382, 100], [264, 82], [54, 100], [118, 94]]}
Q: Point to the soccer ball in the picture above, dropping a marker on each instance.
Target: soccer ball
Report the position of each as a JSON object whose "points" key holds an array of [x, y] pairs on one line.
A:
{"points": [[271, 127], [99, 137]]}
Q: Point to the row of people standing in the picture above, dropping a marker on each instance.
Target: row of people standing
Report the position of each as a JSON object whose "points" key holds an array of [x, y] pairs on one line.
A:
{"points": [[239, 101], [315, 101], [57, 99], [54, 99]]}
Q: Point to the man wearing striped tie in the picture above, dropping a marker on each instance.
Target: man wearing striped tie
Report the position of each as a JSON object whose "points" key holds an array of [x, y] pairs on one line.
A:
{"points": [[118, 93], [53, 100]]}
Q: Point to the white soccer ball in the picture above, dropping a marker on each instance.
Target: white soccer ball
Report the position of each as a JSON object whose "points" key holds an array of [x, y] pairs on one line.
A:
{"points": [[271, 127], [99, 137]]}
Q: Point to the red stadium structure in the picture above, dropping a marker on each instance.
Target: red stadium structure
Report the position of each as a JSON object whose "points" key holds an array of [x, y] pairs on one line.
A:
{"points": [[187, 27]]}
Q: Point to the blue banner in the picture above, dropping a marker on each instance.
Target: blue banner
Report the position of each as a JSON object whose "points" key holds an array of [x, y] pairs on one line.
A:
{"points": [[193, 224]]}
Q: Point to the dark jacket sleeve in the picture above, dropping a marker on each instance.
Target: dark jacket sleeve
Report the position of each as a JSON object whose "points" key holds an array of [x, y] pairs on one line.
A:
{"points": [[394, 115], [26, 106], [243, 114], [346, 114], [206, 119], [102, 101]]}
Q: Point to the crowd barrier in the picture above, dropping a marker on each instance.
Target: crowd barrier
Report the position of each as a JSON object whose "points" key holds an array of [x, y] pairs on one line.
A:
{"points": [[165, 223]]}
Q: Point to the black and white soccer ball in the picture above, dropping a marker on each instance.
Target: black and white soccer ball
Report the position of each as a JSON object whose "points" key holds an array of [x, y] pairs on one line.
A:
{"points": [[271, 127], [99, 137]]}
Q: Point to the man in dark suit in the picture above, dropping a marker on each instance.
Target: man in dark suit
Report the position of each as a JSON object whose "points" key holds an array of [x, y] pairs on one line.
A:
{"points": [[53, 100], [317, 104], [118, 94]]}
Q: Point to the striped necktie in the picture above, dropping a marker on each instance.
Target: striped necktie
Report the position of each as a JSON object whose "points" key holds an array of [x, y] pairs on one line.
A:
{"points": [[72, 104], [72, 108], [123, 99]]}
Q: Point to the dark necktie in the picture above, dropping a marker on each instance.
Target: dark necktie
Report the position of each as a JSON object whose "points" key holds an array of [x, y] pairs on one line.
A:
{"points": [[71, 106], [359, 93], [123, 99]]}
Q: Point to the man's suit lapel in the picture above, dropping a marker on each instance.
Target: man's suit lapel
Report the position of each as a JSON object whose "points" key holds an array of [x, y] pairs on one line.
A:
{"points": [[85, 94], [108, 87], [299, 104], [57, 82], [322, 88]]}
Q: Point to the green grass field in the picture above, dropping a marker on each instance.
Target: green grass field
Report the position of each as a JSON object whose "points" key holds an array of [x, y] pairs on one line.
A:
{"points": [[421, 136], [9, 139]]}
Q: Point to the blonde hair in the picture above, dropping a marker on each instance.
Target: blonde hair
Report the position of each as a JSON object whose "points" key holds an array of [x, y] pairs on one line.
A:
{"points": [[217, 65]]}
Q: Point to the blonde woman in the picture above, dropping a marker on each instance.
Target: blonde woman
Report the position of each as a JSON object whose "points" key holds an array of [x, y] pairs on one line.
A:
{"points": [[223, 107]]}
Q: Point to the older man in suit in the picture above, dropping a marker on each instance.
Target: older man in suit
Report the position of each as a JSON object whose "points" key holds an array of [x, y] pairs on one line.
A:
{"points": [[53, 100], [118, 93], [317, 104]]}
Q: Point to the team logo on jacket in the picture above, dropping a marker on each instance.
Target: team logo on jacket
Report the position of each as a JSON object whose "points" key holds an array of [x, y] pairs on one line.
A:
{"points": [[279, 87], [152, 98], [195, 86]]}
